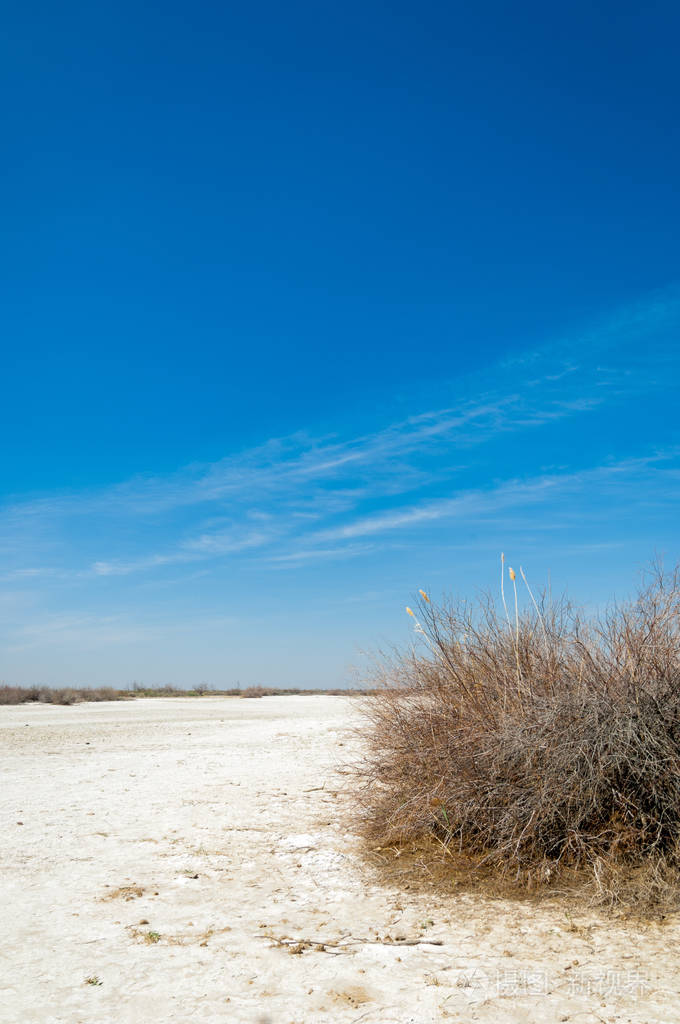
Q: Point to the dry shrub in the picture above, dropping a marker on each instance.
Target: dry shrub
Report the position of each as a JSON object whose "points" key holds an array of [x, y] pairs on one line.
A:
{"points": [[541, 743], [50, 695], [17, 694]]}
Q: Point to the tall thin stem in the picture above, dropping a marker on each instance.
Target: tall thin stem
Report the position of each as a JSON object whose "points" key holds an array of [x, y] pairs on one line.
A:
{"points": [[519, 671], [503, 589], [538, 611]]}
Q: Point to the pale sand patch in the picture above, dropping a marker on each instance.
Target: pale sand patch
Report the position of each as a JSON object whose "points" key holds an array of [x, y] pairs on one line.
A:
{"points": [[190, 855]]}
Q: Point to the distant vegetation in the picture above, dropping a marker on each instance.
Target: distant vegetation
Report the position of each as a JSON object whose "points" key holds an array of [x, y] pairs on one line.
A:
{"points": [[49, 695], [70, 695], [540, 747]]}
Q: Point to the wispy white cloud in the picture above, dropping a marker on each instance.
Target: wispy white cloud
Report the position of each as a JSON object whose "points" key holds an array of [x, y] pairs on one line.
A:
{"points": [[205, 545], [302, 556], [476, 503], [298, 499]]}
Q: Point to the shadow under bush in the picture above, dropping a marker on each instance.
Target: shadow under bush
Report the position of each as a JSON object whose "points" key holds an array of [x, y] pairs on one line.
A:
{"points": [[540, 744]]}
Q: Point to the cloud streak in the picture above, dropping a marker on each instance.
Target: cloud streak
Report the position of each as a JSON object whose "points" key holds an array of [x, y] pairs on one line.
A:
{"points": [[299, 499]]}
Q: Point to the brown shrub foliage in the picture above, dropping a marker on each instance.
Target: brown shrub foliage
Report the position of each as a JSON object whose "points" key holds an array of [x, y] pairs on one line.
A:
{"points": [[50, 695], [542, 745]]}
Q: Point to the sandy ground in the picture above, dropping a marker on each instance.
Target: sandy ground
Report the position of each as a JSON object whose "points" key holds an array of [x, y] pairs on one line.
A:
{"points": [[190, 858]]}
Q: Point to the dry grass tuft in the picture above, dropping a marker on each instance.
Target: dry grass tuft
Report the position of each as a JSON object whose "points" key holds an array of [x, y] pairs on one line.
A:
{"points": [[540, 746]]}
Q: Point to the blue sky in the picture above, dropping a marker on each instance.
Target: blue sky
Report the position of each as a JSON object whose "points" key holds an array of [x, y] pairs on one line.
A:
{"points": [[307, 306]]}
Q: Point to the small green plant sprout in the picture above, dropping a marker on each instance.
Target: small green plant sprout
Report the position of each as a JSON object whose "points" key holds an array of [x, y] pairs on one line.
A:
{"points": [[436, 803], [93, 980], [152, 937]]}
